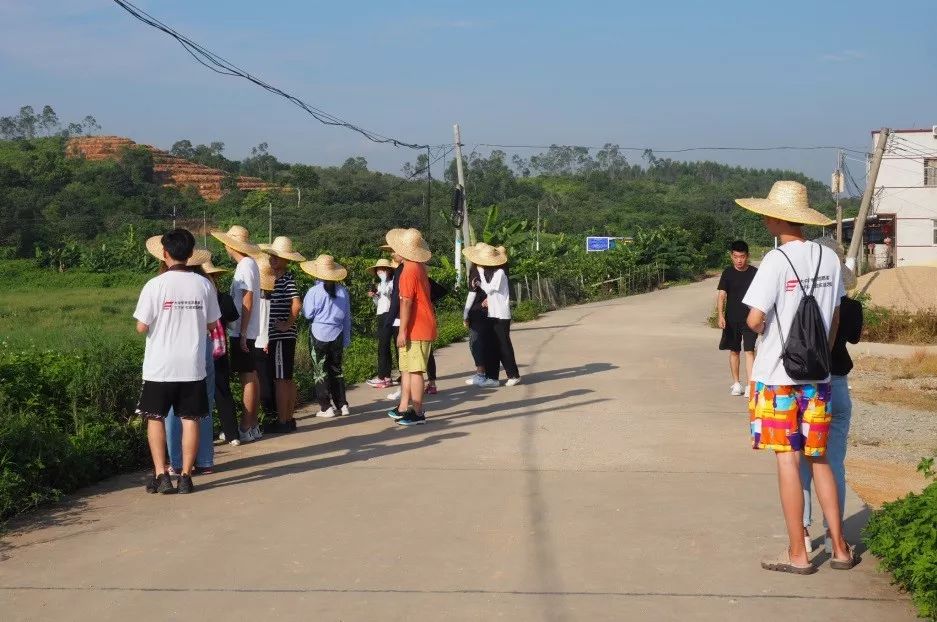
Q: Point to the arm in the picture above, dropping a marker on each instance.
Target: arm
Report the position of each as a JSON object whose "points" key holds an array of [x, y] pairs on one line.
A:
{"points": [[756, 320], [406, 309], [721, 297], [834, 327], [494, 285], [142, 328], [469, 301], [247, 307]]}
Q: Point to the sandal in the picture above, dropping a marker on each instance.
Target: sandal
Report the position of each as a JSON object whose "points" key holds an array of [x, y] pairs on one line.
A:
{"points": [[848, 564], [782, 563]]}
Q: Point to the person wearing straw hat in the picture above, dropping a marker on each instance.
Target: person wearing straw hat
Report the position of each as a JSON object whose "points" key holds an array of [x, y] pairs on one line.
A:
{"points": [[285, 306], [327, 306], [850, 329], [176, 311], [417, 323], [380, 293], [493, 280], [245, 291], [792, 417]]}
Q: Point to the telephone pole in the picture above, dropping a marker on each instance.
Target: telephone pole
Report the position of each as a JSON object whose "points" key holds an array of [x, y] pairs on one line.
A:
{"points": [[270, 222], [429, 196], [859, 224], [461, 235], [840, 186], [174, 216]]}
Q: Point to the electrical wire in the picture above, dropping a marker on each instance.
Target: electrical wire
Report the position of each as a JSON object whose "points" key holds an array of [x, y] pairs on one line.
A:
{"points": [[220, 65], [681, 150]]}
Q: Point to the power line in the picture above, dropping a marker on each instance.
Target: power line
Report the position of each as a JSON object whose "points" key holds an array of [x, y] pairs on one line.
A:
{"points": [[681, 150], [222, 66]]}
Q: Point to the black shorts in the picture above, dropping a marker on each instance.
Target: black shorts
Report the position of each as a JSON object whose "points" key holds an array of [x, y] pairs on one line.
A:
{"points": [[242, 362], [188, 400], [282, 353], [735, 335]]}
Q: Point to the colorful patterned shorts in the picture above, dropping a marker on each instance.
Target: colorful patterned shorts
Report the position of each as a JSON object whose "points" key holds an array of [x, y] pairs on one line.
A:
{"points": [[790, 418]]}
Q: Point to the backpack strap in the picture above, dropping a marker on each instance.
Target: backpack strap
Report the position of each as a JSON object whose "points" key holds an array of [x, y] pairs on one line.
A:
{"points": [[802, 288]]}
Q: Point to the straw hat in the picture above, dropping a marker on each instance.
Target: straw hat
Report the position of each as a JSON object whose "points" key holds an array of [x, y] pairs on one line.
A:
{"points": [[237, 238], [282, 247], [787, 201], [387, 247], [486, 255], [209, 268], [849, 275], [324, 268], [267, 276], [381, 263], [409, 244], [154, 246]]}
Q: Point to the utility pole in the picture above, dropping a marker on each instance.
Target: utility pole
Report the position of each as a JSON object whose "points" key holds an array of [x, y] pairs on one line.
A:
{"points": [[270, 222], [174, 216], [461, 235], [204, 229], [299, 197], [859, 225], [429, 196], [537, 244], [838, 190]]}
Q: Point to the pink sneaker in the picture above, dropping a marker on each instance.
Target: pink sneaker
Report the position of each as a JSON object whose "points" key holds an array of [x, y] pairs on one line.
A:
{"points": [[377, 383], [431, 390]]}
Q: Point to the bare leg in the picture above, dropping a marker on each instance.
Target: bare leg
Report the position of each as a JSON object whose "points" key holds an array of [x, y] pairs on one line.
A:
{"points": [[404, 391], [825, 486], [749, 364], [251, 399], [416, 392], [189, 444], [734, 365], [156, 437], [792, 504]]}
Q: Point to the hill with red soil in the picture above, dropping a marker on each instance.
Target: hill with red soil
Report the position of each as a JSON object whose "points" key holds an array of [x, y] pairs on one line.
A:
{"points": [[170, 170]]}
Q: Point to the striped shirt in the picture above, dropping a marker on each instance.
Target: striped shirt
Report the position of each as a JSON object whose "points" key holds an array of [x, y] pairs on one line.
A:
{"points": [[281, 302]]}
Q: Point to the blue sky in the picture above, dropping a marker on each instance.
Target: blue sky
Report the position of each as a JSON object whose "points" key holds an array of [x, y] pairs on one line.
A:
{"points": [[660, 74]]}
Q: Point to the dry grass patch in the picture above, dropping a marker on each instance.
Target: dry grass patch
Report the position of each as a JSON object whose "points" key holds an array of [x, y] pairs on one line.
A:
{"points": [[920, 364], [910, 382]]}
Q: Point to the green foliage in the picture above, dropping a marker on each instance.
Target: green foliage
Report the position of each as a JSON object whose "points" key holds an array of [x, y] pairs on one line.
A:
{"points": [[904, 535], [526, 311], [885, 325]]}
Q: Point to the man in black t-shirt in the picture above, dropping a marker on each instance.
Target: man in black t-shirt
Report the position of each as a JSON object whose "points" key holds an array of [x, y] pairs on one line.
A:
{"points": [[732, 314]]}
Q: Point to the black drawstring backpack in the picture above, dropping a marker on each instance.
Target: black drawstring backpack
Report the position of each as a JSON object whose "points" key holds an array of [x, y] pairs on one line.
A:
{"points": [[806, 351]]}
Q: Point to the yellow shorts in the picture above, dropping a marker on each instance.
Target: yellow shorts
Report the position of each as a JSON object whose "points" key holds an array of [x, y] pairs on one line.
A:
{"points": [[415, 358]]}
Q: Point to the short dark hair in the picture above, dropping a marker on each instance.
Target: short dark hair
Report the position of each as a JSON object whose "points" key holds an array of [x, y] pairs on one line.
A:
{"points": [[739, 246], [178, 244]]}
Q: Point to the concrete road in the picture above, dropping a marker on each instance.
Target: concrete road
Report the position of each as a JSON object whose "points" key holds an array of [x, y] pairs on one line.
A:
{"points": [[615, 483]]}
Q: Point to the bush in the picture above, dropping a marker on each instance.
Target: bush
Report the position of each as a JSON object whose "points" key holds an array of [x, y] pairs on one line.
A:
{"points": [[904, 535], [527, 310], [894, 326]]}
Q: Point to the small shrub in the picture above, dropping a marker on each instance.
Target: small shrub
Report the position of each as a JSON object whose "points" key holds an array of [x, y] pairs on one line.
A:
{"points": [[885, 325], [527, 311]]}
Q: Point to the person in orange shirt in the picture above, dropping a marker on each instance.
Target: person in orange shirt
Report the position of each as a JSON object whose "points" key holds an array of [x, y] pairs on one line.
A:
{"points": [[417, 323]]}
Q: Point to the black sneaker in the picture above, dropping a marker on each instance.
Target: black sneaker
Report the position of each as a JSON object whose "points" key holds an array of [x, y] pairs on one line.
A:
{"points": [[278, 428], [185, 484], [412, 418], [151, 485], [394, 414], [292, 425], [164, 484]]}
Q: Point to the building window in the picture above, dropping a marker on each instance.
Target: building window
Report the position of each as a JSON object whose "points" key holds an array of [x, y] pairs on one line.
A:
{"points": [[930, 171]]}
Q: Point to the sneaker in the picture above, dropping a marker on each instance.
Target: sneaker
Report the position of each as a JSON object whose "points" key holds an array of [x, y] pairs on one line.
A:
{"points": [[174, 472], [246, 436], [736, 389], [277, 427], [151, 486], [345, 410], [412, 418], [256, 433], [488, 383], [221, 437], [206, 470], [512, 382], [326, 414], [474, 379], [164, 484], [748, 391], [394, 414], [185, 485], [376, 382], [235, 443], [292, 425], [394, 396], [432, 390]]}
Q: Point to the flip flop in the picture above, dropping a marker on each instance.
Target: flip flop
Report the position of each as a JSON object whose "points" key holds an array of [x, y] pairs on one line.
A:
{"points": [[782, 563], [849, 564]]}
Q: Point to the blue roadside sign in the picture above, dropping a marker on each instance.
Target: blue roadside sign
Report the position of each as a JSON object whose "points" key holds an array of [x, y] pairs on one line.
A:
{"points": [[594, 244]]}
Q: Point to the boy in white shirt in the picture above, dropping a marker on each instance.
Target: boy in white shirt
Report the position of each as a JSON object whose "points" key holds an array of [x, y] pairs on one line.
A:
{"points": [[789, 416], [175, 311]]}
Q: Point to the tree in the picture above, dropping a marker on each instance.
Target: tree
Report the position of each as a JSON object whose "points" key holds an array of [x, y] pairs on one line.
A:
{"points": [[182, 149], [49, 121]]}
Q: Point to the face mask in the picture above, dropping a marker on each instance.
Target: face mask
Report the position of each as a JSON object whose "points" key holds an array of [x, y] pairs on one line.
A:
{"points": [[382, 276]]}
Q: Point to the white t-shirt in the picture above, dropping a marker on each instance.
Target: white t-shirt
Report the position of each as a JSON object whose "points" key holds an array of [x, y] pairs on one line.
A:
{"points": [[382, 298], [177, 306], [775, 284], [499, 295], [246, 279]]}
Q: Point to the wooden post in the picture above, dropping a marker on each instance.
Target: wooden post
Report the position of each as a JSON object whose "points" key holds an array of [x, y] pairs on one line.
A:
{"points": [[859, 224]]}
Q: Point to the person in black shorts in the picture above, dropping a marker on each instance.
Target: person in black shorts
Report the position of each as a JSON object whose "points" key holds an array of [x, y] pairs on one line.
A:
{"points": [[175, 311], [732, 314]]}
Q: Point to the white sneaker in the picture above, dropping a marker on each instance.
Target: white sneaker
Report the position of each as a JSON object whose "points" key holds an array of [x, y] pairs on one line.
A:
{"points": [[256, 433], [474, 379], [221, 437], [345, 410], [394, 396], [512, 382], [235, 443], [246, 436], [748, 390], [489, 383], [326, 414], [736, 389]]}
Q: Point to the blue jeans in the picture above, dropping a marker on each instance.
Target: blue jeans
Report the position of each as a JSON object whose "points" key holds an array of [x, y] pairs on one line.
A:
{"points": [[841, 414], [206, 434]]}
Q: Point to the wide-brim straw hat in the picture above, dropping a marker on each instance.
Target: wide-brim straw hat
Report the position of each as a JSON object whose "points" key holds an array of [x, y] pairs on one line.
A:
{"points": [[282, 247], [381, 263], [849, 275], [267, 276], [787, 201], [409, 244], [154, 246], [325, 268], [238, 238], [486, 255], [387, 247], [209, 268]]}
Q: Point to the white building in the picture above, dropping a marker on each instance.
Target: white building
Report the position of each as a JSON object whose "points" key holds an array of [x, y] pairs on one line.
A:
{"points": [[905, 203]]}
